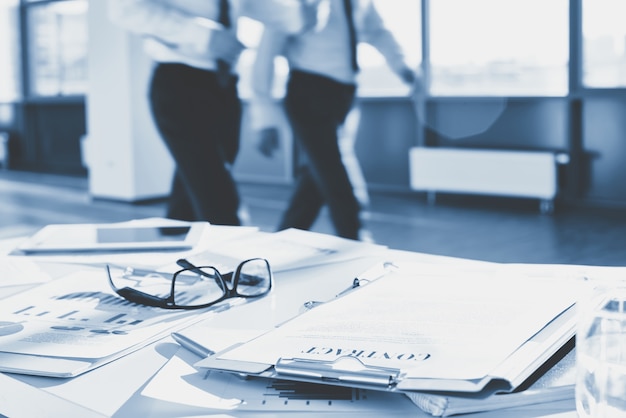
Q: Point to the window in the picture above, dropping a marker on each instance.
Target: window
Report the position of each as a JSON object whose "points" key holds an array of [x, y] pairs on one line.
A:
{"points": [[497, 47], [604, 43], [9, 51], [57, 45], [403, 18]]}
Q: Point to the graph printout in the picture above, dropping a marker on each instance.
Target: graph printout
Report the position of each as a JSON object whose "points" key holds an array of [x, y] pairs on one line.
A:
{"points": [[79, 316], [179, 382]]}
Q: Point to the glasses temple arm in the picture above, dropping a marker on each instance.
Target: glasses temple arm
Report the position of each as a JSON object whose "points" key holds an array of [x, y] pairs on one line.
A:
{"points": [[115, 288]]}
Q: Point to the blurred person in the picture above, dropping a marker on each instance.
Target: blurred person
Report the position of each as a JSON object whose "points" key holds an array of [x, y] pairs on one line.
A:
{"points": [[193, 91], [320, 93]]}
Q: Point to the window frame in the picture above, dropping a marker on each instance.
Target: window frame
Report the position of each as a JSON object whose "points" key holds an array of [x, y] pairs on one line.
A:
{"points": [[27, 75]]}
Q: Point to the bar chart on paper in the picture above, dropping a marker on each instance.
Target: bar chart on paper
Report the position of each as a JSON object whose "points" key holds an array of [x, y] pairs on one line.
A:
{"points": [[77, 316], [92, 312], [181, 383], [259, 394], [284, 395]]}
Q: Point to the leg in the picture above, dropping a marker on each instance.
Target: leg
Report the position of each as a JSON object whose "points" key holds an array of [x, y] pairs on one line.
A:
{"points": [[196, 119], [347, 140], [305, 203], [316, 107], [179, 204]]}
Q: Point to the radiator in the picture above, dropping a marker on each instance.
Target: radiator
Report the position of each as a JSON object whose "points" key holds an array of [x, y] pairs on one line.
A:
{"points": [[528, 174]]}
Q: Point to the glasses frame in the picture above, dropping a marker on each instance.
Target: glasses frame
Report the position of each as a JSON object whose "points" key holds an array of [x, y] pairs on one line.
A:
{"points": [[169, 302]]}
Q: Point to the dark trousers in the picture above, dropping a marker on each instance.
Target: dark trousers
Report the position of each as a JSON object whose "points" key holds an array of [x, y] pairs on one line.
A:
{"points": [[317, 107], [200, 123]]}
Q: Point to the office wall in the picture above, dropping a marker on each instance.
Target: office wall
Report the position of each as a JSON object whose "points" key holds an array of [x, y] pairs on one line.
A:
{"points": [[604, 141], [590, 130], [511, 123], [51, 133], [387, 131]]}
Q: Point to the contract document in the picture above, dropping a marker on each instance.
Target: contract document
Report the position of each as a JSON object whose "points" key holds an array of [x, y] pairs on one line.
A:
{"points": [[420, 327]]}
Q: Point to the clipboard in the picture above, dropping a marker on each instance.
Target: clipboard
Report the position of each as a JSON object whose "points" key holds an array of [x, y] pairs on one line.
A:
{"points": [[505, 375], [350, 371]]}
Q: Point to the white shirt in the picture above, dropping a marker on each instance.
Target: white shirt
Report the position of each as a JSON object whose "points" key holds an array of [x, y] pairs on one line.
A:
{"points": [[323, 50], [180, 31]]}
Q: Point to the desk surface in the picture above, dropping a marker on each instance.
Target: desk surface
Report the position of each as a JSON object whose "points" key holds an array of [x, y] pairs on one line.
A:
{"points": [[115, 389]]}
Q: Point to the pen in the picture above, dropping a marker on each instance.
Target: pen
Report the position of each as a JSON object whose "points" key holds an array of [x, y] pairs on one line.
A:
{"points": [[191, 345]]}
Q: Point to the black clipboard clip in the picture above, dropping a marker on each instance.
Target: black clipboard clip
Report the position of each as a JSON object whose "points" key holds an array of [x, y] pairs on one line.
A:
{"points": [[345, 370]]}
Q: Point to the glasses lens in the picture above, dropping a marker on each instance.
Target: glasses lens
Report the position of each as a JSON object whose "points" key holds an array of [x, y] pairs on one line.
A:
{"points": [[198, 286], [255, 278], [150, 283]]}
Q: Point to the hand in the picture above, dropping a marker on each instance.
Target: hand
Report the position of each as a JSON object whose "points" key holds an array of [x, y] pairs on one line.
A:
{"points": [[408, 76], [268, 141], [309, 15], [225, 46]]}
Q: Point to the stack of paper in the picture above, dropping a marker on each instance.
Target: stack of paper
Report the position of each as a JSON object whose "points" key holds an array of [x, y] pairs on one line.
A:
{"points": [[555, 382], [420, 329], [447, 338]]}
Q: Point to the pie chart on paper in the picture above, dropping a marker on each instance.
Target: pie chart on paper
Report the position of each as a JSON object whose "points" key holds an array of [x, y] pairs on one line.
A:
{"points": [[8, 328]]}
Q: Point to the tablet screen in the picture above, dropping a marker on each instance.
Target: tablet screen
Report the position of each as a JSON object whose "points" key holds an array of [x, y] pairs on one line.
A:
{"points": [[164, 233]]}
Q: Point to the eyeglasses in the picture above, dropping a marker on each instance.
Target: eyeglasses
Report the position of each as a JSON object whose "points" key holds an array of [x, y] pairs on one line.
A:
{"points": [[193, 287]]}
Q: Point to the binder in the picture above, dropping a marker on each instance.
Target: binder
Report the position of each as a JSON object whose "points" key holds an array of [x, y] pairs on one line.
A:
{"points": [[521, 352]]}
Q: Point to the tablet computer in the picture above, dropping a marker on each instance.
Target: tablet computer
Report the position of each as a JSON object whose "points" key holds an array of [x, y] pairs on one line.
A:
{"points": [[113, 237]]}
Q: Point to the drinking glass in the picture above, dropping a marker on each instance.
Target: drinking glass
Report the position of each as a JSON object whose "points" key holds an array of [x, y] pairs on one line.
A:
{"points": [[601, 353]]}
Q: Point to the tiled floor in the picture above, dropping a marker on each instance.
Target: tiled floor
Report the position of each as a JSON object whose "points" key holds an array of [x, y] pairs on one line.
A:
{"points": [[484, 228]]}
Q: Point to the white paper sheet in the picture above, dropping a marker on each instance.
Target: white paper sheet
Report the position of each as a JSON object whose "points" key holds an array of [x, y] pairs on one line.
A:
{"points": [[290, 249], [17, 271], [18, 399], [106, 389]]}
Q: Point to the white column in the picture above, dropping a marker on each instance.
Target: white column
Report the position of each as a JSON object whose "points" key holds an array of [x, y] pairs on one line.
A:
{"points": [[124, 153]]}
